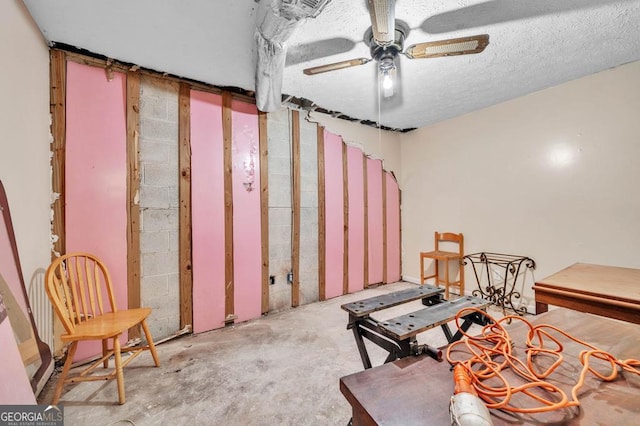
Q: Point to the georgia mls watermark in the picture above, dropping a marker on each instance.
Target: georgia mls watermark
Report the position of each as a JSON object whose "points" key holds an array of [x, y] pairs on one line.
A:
{"points": [[31, 415]]}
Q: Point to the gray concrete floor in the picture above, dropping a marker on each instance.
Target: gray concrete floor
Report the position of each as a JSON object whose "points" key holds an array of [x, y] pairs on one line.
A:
{"points": [[281, 369]]}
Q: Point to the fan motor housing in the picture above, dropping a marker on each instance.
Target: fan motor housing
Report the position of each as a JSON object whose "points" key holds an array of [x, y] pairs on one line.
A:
{"points": [[389, 50]]}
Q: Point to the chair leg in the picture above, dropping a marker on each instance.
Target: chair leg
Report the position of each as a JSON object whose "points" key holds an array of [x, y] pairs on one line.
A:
{"points": [[119, 373], [446, 279], [105, 349], [421, 269], [461, 278], [152, 347], [65, 372]]}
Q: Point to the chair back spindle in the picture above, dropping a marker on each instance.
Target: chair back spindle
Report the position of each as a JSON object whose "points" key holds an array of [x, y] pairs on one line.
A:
{"points": [[79, 287]]}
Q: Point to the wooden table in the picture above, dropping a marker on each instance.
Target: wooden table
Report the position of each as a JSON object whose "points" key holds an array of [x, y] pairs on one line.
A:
{"points": [[602, 290], [417, 390]]}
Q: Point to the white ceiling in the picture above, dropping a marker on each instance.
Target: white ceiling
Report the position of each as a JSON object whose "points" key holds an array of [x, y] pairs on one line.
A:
{"points": [[534, 44]]}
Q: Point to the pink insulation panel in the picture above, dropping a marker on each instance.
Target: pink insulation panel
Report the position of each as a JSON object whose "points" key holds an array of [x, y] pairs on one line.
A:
{"points": [[355, 176], [334, 215], [207, 211], [393, 229], [247, 235], [374, 204], [96, 175]]}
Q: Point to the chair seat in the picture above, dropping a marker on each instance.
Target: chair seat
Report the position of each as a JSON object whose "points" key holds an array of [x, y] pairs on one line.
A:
{"points": [[441, 255], [108, 325]]}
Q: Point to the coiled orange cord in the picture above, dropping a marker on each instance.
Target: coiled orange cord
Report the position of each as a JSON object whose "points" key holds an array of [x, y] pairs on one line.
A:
{"points": [[494, 343]]}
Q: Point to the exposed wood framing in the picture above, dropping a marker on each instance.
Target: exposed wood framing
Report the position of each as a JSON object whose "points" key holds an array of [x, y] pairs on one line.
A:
{"points": [[345, 197], [264, 207], [58, 76], [185, 256], [133, 196], [120, 67], [385, 279], [58, 93], [227, 136], [366, 222], [322, 256], [295, 232]]}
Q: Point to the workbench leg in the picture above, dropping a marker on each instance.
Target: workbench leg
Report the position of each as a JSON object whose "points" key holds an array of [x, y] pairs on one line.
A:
{"points": [[447, 332], [404, 350], [463, 328], [364, 356]]}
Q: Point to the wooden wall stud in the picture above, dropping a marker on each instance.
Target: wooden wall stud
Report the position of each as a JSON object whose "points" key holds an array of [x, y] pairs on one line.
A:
{"points": [[295, 231], [185, 247], [322, 255], [264, 207]]}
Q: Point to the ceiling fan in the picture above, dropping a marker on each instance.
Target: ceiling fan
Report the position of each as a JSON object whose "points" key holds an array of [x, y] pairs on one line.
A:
{"points": [[386, 41]]}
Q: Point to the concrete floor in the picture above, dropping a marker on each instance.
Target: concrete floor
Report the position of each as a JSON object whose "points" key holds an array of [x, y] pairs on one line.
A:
{"points": [[281, 369]]}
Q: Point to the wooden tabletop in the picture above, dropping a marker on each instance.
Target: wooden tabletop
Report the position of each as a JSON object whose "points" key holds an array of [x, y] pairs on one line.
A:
{"points": [[417, 390], [598, 280]]}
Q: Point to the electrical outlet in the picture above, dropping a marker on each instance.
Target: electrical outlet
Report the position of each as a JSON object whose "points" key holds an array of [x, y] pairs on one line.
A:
{"points": [[272, 279], [290, 277]]}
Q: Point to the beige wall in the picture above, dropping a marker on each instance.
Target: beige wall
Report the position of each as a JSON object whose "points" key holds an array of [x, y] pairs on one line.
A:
{"points": [[554, 175], [382, 145], [24, 133]]}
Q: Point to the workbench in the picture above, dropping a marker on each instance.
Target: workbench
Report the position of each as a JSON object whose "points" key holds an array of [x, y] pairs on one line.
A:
{"points": [[398, 335], [609, 291], [416, 390]]}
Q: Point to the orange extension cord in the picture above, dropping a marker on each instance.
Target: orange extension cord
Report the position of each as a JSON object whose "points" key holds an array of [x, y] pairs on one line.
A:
{"points": [[494, 343]]}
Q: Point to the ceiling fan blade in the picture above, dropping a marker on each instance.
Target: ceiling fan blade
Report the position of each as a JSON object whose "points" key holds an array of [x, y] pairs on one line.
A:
{"points": [[383, 20], [335, 66], [318, 49], [450, 47]]}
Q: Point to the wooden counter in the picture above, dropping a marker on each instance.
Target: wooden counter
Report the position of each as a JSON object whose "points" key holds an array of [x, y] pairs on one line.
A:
{"points": [[609, 291]]}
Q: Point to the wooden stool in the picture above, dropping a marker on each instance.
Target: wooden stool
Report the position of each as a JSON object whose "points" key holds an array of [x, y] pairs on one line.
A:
{"points": [[437, 255]]}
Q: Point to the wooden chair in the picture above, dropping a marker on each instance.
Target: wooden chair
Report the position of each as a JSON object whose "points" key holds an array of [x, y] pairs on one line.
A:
{"points": [[79, 287], [440, 255]]}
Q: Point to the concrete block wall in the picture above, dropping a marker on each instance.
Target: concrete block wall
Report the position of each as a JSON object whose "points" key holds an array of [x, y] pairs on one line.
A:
{"points": [[308, 211], [159, 241], [280, 212]]}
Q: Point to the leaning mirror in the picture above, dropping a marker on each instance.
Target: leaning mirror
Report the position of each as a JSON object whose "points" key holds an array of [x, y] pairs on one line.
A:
{"points": [[35, 354]]}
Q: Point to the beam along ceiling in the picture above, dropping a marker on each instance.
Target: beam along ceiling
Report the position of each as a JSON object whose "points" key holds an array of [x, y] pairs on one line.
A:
{"points": [[534, 44]]}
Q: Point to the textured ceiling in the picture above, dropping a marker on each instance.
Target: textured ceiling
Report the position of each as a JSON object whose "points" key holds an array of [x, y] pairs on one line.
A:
{"points": [[533, 45]]}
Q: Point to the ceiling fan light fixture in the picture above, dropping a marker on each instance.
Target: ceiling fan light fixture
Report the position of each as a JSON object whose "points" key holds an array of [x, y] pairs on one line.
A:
{"points": [[383, 20], [386, 64], [387, 81], [387, 72]]}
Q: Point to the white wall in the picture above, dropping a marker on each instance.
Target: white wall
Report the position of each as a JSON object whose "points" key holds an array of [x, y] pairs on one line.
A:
{"points": [[24, 134], [554, 176]]}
